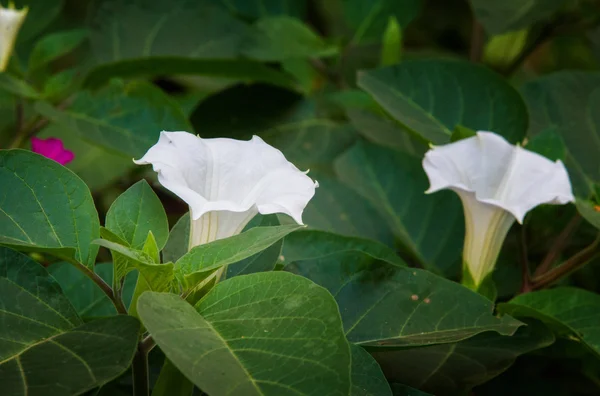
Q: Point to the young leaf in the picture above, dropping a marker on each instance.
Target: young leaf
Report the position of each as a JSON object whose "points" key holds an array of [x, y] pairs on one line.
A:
{"points": [[427, 309], [17, 87], [54, 46], [458, 93], [179, 240], [391, 50], [250, 332], [46, 207], [40, 324], [135, 213]]}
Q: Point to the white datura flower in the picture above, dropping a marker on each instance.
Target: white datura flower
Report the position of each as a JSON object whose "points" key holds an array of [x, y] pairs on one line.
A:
{"points": [[226, 182], [497, 183], [10, 23]]}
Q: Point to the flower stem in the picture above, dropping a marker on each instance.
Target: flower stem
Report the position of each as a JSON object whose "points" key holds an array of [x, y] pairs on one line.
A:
{"points": [[525, 273], [572, 264], [117, 302], [558, 246], [477, 39], [139, 371]]}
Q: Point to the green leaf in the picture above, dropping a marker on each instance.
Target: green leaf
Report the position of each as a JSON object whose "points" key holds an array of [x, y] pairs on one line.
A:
{"points": [[564, 102], [391, 50], [456, 368], [460, 132], [589, 211], [179, 240], [432, 97], [312, 244], [53, 46], [368, 18], [230, 250], [159, 277], [262, 261], [135, 213], [243, 70], [126, 118], [427, 309], [337, 208], [502, 50], [39, 325], [385, 131], [87, 298], [279, 38], [172, 382], [367, 377], [40, 14], [46, 207], [549, 144], [250, 332], [428, 226], [17, 87], [508, 15], [403, 390], [572, 312], [257, 9]]}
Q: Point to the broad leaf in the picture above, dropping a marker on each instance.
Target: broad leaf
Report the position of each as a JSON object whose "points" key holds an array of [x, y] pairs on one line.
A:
{"points": [[126, 118], [254, 9], [312, 244], [428, 226], [46, 207], [369, 18], [458, 367], [135, 213], [40, 325], [230, 250], [508, 15], [40, 14], [281, 38], [565, 102], [572, 312], [53, 46], [250, 332], [432, 97], [17, 87], [367, 377], [337, 208], [85, 296], [427, 309], [179, 240]]}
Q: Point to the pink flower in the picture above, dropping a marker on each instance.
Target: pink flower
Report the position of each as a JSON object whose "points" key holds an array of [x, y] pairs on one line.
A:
{"points": [[52, 148]]}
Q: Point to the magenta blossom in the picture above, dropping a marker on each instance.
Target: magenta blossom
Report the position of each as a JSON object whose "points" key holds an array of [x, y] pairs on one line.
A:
{"points": [[52, 148]]}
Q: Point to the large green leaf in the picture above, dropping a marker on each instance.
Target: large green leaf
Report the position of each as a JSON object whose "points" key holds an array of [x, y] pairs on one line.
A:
{"points": [[45, 206], [279, 38], [16, 86], [124, 117], [367, 378], [455, 368], [135, 213], [262, 8], [432, 97], [250, 332], [387, 305], [507, 15], [179, 240], [85, 296], [572, 312], [40, 325], [370, 17], [53, 46], [230, 250], [337, 208], [566, 102], [40, 14], [430, 227], [311, 244]]}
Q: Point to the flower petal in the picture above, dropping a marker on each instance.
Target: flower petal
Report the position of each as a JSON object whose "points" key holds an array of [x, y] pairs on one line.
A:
{"points": [[10, 23], [499, 173], [229, 175]]}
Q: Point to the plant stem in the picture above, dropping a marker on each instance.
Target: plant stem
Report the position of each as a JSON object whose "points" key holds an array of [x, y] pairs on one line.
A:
{"points": [[477, 37], [572, 264], [139, 371], [120, 307], [525, 274], [558, 245], [545, 33]]}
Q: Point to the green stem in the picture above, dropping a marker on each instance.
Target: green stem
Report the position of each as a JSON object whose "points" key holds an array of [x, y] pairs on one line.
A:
{"points": [[557, 247], [141, 385], [117, 302]]}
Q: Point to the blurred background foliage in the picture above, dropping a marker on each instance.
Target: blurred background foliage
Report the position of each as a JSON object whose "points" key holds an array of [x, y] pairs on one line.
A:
{"points": [[353, 90]]}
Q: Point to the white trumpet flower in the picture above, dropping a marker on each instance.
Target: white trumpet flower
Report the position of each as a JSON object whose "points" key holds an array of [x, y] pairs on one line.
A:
{"points": [[10, 23], [226, 182], [497, 183]]}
